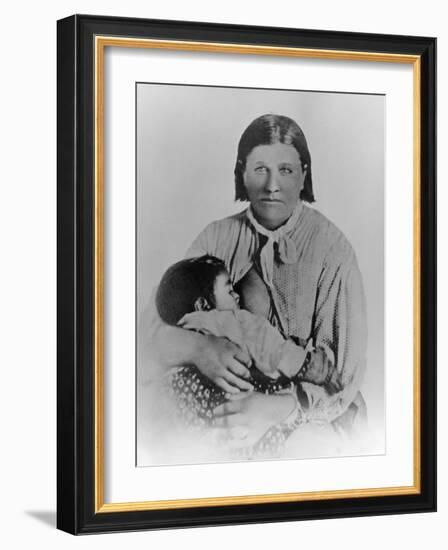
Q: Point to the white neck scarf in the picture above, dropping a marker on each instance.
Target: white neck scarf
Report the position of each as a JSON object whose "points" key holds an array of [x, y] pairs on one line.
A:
{"points": [[287, 250]]}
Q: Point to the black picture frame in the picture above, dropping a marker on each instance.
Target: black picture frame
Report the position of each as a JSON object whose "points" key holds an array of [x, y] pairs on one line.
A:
{"points": [[77, 509]]}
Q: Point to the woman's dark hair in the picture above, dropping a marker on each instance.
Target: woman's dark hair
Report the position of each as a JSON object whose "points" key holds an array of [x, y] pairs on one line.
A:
{"points": [[267, 130], [183, 283]]}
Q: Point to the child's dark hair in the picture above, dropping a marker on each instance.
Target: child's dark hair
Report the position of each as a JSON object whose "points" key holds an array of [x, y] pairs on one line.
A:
{"points": [[183, 283]]}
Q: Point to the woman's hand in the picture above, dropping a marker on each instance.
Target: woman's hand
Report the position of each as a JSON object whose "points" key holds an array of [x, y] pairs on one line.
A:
{"points": [[221, 361], [247, 419], [224, 363]]}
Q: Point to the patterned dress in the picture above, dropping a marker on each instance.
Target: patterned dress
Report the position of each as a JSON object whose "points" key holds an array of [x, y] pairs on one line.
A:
{"points": [[309, 286]]}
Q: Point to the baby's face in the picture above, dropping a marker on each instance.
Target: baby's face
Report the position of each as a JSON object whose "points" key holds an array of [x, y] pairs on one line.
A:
{"points": [[225, 297]]}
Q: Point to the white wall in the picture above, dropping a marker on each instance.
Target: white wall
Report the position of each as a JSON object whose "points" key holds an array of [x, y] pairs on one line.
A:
{"points": [[27, 289]]}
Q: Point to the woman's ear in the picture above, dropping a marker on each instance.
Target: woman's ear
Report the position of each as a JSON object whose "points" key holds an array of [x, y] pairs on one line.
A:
{"points": [[201, 304]]}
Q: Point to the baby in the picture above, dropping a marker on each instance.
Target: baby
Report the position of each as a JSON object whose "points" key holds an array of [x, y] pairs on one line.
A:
{"points": [[197, 294]]}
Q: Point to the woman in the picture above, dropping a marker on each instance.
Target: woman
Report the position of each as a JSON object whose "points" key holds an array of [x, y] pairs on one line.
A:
{"points": [[293, 266]]}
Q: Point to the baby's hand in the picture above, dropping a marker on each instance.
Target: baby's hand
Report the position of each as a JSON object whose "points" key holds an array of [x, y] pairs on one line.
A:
{"points": [[224, 363]]}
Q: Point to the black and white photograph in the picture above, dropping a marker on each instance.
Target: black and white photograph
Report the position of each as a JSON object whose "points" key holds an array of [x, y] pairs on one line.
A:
{"points": [[260, 294]]}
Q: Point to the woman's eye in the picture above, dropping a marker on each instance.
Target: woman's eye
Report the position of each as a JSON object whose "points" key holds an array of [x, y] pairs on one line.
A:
{"points": [[261, 169], [285, 171]]}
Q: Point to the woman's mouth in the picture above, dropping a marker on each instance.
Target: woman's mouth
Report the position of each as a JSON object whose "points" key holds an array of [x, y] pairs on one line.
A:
{"points": [[271, 201]]}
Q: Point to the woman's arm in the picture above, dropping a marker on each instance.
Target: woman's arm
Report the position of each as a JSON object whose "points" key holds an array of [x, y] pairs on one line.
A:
{"points": [[319, 369], [334, 370], [164, 346]]}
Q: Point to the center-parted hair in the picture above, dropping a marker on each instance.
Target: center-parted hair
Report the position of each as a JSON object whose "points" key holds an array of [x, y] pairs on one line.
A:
{"points": [[183, 283], [268, 130]]}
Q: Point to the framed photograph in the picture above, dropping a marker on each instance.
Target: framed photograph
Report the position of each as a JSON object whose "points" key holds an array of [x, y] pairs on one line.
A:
{"points": [[246, 274]]}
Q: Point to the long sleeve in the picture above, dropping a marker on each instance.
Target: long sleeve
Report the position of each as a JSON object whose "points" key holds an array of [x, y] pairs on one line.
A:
{"points": [[333, 373], [149, 325], [270, 352]]}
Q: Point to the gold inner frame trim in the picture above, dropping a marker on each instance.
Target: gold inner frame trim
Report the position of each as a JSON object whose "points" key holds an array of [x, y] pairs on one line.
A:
{"points": [[101, 42]]}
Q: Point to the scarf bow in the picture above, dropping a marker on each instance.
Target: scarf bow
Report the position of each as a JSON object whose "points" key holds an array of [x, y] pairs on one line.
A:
{"points": [[286, 247]]}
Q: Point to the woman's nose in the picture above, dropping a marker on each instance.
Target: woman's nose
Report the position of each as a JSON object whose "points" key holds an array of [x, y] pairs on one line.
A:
{"points": [[272, 182]]}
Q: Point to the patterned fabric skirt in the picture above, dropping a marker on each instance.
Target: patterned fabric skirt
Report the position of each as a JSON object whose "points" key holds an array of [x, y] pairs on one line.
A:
{"points": [[195, 398]]}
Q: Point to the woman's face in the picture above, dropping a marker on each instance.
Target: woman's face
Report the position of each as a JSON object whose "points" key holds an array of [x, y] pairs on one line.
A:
{"points": [[273, 179]]}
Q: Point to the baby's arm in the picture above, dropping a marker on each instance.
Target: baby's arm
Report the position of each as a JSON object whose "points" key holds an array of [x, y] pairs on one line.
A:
{"points": [[230, 373], [272, 354]]}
